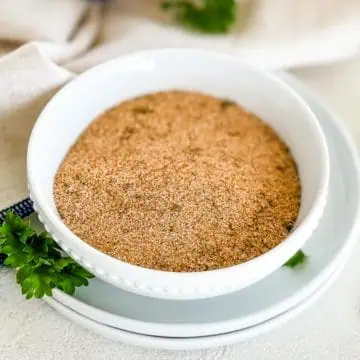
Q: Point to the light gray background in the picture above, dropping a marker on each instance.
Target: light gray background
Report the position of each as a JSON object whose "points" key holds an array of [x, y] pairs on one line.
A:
{"points": [[329, 330]]}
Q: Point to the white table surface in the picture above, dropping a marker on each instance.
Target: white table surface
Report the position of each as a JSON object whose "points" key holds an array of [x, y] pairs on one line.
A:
{"points": [[329, 330]]}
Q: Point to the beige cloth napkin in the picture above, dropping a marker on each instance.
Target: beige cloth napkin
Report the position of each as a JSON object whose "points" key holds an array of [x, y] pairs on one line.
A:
{"points": [[57, 36]]}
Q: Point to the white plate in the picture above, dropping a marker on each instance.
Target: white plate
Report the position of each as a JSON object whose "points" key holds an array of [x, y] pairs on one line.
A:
{"points": [[195, 342], [264, 300]]}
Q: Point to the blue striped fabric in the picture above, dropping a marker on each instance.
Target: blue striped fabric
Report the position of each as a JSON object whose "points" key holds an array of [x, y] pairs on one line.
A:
{"points": [[23, 208]]}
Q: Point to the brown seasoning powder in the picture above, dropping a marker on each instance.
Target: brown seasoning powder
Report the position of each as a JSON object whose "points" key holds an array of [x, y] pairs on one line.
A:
{"points": [[179, 181]]}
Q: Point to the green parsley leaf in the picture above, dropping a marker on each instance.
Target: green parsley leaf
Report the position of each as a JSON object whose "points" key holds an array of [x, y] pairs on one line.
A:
{"points": [[15, 259], [36, 284], [38, 260], [298, 259], [208, 16]]}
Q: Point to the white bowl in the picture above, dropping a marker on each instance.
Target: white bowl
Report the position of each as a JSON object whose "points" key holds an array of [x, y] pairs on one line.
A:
{"points": [[72, 109]]}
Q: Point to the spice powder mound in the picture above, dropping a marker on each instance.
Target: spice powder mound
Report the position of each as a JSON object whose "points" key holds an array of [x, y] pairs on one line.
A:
{"points": [[179, 181]]}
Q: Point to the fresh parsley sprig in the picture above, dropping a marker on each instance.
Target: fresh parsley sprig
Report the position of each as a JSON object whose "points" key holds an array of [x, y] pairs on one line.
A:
{"points": [[208, 16], [38, 260]]}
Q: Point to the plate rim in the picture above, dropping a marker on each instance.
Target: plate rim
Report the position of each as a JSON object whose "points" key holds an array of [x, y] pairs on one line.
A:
{"points": [[193, 343]]}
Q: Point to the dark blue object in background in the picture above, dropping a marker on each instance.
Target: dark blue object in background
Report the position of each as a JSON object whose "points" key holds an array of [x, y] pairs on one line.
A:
{"points": [[23, 208]]}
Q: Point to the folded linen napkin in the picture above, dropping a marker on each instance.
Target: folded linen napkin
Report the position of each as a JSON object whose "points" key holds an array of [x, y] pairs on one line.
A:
{"points": [[58, 36]]}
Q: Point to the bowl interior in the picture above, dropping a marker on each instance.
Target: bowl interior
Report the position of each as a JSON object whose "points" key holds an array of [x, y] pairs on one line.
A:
{"points": [[78, 103]]}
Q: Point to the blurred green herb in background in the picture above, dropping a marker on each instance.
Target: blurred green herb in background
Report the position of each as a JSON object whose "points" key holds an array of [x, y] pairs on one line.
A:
{"points": [[208, 16]]}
